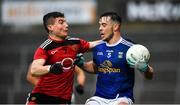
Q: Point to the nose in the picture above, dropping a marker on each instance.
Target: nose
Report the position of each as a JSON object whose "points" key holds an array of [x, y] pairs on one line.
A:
{"points": [[66, 24], [100, 28]]}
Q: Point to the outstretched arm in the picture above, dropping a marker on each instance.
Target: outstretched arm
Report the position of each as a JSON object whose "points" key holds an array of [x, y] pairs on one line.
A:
{"points": [[94, 43]]}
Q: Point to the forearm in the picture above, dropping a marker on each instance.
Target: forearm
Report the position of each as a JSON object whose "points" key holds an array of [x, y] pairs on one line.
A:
{"points": [[81, 80], [39, 70], [80, 76], [89, 67]]}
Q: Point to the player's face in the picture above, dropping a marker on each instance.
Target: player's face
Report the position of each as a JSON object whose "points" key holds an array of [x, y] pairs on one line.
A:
{"points": [[106, 28], [60, 27]]}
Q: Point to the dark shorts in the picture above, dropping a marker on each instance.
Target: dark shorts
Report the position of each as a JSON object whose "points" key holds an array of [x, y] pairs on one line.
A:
{"points": [[39, 98]]}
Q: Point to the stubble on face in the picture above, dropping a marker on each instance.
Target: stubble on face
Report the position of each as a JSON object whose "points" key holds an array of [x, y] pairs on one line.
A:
{"points": [[106, 29]]}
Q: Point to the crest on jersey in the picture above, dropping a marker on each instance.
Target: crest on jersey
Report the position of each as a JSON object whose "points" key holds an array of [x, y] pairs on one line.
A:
{"points": [[120, 55], [67, 64]]}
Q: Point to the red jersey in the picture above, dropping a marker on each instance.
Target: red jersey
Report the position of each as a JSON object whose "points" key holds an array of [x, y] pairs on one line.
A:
{"points": [[59, 85]]}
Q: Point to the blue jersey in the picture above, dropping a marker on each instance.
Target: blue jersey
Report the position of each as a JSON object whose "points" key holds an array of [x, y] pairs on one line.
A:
{"points": [[115, 77]]}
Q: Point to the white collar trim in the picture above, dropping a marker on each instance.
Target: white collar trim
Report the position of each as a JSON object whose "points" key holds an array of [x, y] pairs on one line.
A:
{"points": [[114, 44]]}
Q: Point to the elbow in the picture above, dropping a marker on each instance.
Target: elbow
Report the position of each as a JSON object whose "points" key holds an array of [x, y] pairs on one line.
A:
{"points": [[28, 77], [33, 71]]}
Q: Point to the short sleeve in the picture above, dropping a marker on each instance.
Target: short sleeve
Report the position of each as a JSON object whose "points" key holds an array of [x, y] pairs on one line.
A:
{"points": [[40, 54], [84, 46]]}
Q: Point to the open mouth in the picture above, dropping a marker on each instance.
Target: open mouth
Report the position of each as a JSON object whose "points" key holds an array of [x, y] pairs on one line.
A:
{"points": [[101, 34]]}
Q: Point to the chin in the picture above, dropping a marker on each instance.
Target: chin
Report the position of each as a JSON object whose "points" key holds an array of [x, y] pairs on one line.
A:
{"points": [[103, 38], [65, 35]]}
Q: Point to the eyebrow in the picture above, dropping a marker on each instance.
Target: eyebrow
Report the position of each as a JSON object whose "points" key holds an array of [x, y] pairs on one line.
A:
{"points": [[61, 19]]}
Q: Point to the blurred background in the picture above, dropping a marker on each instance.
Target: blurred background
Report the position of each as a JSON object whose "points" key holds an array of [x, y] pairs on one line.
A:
{"points": [[153, 23]]}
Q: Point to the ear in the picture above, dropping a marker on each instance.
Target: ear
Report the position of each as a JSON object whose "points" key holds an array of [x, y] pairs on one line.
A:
{"points": [[116, 27], [50, 27]]}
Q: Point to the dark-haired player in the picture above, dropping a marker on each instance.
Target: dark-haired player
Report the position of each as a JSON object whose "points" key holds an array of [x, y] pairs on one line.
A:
{"points": [[54, 62], [115, 77]]}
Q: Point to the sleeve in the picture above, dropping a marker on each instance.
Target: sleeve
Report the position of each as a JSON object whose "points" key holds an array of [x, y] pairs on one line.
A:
{"points": [[84, 46], [40, 54]]}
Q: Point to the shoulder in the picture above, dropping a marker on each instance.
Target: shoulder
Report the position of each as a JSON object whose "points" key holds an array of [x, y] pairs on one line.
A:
{"points": [[74, 40], [45, 44], [127, 42], [100, 44]]}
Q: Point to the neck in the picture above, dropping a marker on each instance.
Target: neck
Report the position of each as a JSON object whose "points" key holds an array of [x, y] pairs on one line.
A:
{"points": [[115, 38], [56, 38]]}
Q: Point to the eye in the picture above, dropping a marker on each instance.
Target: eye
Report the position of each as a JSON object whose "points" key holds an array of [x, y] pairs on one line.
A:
{"points": [[104, 25], [61, 21]]}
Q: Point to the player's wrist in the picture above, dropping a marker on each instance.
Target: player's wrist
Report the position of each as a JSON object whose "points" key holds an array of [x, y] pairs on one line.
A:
{"points": [[79, 60], [48, 68], [141, 66]]}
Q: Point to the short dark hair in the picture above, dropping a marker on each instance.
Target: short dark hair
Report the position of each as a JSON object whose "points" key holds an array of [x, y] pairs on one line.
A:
{"points": [[113, 15], [47, 19]]}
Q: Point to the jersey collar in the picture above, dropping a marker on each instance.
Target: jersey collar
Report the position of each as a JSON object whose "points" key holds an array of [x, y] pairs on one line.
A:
{"points": [[57, 41], [111, 45]]}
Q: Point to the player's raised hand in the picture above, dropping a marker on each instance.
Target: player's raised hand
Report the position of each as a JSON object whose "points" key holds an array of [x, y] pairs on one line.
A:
{"points": [[138, 57], [138, 64], [56, 68], [141, 65]]}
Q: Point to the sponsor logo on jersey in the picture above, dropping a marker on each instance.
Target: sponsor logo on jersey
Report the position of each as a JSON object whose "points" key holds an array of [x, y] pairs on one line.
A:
{"points": [[67, 64], [99, 53], [54, 51], [109, 51], [106, 67]]}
